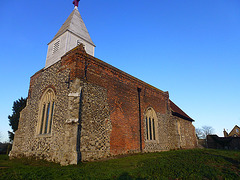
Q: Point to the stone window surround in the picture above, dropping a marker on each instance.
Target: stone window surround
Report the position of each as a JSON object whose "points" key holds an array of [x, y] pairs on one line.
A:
{"points": [[151, 115], [47, 104]]}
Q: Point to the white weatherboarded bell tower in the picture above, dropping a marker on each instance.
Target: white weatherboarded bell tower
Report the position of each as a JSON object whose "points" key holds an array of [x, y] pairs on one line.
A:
{"points": [[72, 33]]}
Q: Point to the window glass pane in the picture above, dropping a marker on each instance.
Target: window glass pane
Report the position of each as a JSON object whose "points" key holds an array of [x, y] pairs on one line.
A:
{"points": [[50, 128], [46, 125], [147, 127], [150, 129], [153, 125], [43, 112]]}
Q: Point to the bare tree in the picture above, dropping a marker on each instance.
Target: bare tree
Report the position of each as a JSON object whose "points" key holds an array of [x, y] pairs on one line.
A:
{"points": [[204, 131], [207, 130], [199, 133]]}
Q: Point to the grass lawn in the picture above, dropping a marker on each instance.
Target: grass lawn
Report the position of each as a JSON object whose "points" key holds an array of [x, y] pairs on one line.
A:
{"points": [[181, 164]]}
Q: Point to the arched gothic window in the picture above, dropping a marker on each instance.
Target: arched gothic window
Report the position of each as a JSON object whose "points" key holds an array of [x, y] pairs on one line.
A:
{"points": [[151, 124], [46, 112]]}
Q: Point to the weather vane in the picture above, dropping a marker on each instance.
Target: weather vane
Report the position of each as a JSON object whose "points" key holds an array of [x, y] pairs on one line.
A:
{"points": [[75, 2]]}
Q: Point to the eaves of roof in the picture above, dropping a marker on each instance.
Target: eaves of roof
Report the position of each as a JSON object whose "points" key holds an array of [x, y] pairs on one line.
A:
{"points": [[176, 111]]}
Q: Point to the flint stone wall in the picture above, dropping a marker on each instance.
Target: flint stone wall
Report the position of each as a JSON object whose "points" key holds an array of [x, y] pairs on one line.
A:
{"points": [[186, 133], [98, 115], [72, 131]]}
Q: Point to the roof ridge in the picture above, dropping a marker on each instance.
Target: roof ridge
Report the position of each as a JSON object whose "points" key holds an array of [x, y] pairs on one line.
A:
{"points": [[233, 129]]}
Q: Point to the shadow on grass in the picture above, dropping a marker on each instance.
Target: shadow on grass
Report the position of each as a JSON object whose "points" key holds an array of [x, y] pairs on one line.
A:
{"points": [[235, 162], [125, 176]]}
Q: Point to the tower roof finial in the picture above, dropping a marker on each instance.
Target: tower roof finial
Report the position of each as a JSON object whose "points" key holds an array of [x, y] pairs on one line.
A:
{"points": [[75, 2]]}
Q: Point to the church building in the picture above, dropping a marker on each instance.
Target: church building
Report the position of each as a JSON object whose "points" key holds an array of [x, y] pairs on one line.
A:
{"points": [[80, 108]]}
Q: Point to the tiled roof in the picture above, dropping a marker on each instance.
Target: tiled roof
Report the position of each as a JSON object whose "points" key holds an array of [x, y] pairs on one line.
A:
{"points": [[176, 111]]}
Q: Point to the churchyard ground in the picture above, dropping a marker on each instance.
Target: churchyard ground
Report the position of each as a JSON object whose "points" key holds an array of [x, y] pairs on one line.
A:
{"points": [[179, 164]]}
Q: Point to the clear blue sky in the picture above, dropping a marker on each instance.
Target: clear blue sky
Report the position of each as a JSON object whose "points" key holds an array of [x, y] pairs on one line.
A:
{"points": [[189, 48]]}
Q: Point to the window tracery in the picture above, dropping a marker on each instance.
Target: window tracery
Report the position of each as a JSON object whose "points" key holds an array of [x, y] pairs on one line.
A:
{"points": [[46, 112], [151, 124]]}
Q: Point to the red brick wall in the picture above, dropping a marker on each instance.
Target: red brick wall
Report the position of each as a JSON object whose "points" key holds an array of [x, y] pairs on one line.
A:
{"points": [[122, 98]]}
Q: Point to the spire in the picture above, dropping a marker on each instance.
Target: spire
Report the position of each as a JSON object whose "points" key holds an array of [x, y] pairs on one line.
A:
{"points": [[75, 24], [72, 33]]}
